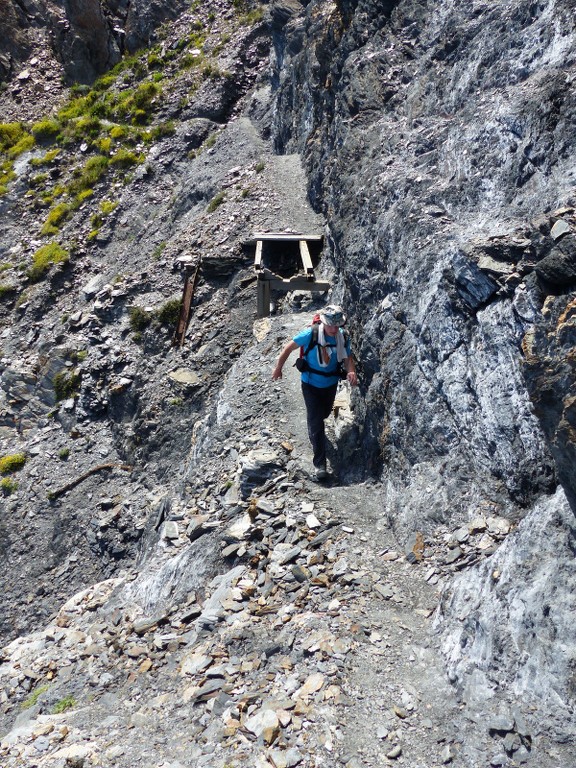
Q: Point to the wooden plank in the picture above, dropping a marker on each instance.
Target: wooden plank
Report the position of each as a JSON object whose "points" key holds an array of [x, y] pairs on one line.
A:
{"points": [[187, 296], [285, 236], [305, 256]]}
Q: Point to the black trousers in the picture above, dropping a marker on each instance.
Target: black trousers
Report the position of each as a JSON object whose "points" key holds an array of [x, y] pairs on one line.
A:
{"points": [[319, 402]]}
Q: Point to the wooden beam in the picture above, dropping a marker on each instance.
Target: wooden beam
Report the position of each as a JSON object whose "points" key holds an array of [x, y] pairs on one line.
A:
{"points": [[286, 236], [298, 284]]}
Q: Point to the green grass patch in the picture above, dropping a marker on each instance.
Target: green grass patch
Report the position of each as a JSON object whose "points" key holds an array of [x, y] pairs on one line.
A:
{"points": [[216, 201], [10, 135], [26, 143], [68, 702], [91, 173], [7, 290], [12, 462], [125, 158], [44, 258], [55, 218], [48, 158], [32, 700]]}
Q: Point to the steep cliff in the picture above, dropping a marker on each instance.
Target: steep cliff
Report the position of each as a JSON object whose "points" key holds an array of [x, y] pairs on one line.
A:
{"points": [[439, 140]]}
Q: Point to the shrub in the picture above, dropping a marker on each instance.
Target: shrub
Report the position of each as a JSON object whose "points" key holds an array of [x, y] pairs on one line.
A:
{"points": [[7, 290], [64, 453], [104, 82], [124, 158], [6, 175], [104, 144], [154, 61], [48, 158], [44, 258], [84, 195], [8, 486], [119, 132], [107, 206], [163, 129], [10, 134], [26, 142], [139, 318], [169, 313], [39, 179], [46, 130], [66, 384], [260, 166], [93, 170], [12, 462]]}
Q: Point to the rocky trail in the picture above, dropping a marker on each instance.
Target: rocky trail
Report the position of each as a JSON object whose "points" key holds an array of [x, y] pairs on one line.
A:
{"points": [[276, 622]]}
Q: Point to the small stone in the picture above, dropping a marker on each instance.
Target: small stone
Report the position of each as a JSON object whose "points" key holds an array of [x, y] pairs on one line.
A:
{"points": [[477, 525], [266, 505], [300, 573], [501, 724], [384, 590], [312, 684], [447, 754], [389, 557], [170, 530], [185, 376], [453, 555], [560, 229], [265, 725], [394, 752], [286, 758]]}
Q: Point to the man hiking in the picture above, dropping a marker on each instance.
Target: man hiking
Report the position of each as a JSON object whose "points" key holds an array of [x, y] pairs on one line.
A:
{"points": [[325, 359]]}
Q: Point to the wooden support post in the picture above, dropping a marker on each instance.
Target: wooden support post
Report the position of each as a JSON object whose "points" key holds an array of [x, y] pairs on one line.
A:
{"points": [[258, 257], [306, 260], [263, 305]]}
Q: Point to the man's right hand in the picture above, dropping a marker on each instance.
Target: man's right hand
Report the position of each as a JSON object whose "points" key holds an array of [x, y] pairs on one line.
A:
{"points": [[276, 373]]}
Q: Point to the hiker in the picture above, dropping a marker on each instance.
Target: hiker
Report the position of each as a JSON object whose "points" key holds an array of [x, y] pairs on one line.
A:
{"points": [[325, 359]]}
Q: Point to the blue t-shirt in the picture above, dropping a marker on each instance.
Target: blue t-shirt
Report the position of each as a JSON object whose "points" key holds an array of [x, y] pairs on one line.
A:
{"points": [[315, 360]]}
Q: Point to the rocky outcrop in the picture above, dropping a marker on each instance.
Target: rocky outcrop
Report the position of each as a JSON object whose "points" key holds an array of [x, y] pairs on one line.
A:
{"points": [[86, 37]]}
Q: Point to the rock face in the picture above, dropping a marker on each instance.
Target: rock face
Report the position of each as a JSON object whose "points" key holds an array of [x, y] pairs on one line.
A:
{"points": [[86, 36], [439, 143]]}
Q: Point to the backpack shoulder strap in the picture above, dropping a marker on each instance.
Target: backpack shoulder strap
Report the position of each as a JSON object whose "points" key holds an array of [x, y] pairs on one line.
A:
{"points": [[313, 339]]}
